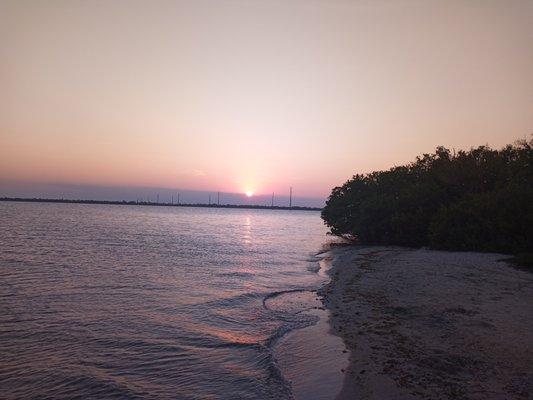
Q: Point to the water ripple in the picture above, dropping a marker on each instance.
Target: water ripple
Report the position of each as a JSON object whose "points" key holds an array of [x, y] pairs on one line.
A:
{"points": [[150, 302]]}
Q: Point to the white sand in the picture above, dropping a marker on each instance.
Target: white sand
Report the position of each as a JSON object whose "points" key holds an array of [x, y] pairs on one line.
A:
{"points": [[424, 324]]}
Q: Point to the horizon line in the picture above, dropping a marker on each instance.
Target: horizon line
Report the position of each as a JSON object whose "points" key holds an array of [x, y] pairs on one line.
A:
{"points": [[157, 204]]}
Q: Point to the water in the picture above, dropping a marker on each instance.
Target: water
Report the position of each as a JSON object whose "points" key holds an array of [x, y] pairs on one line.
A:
{"points": [[102, 301]]}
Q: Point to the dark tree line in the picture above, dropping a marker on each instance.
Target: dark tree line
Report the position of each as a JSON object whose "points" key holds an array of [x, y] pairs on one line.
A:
{"points": [[480, 200]]}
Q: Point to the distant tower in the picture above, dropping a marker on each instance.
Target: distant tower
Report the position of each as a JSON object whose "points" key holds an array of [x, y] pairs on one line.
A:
{"points": [[158, 198], [178, 198], [172, 199], [272, 203], [218, 198], [209, 199], [290, 198]]}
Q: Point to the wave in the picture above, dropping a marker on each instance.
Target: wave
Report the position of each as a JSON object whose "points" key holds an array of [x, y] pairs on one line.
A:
{"points": [[273, 295]]}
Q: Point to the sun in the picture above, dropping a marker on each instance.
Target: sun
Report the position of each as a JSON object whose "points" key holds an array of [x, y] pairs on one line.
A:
{"points": [[249, 193]]}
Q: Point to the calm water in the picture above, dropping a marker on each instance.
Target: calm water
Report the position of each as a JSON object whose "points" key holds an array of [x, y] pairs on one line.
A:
{"points": [[152, 302]]}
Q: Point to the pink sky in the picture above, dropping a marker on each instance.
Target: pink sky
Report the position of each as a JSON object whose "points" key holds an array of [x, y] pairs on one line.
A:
{"points": [[254, 95]]}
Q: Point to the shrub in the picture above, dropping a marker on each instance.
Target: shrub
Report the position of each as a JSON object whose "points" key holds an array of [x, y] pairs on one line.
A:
{"points": [[481, 199]]}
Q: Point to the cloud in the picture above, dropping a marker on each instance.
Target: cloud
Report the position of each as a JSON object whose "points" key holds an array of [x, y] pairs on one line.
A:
{"points": [[198, 172]]}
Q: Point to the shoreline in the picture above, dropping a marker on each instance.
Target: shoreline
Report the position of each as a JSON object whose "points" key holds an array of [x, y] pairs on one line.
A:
{"points": [[311, 358], [431, 324]]}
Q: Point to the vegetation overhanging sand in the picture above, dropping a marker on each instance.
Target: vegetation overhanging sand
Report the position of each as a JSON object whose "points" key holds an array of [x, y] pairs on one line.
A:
{"points": [[475, 200], [431, 324]]}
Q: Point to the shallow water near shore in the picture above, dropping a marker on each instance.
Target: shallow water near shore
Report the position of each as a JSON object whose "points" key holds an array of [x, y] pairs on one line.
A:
{"points": [[159, 302], [313, 359]]}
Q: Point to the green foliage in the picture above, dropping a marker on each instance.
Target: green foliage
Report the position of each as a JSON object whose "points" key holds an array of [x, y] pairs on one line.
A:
{"points": [[481, 200]]}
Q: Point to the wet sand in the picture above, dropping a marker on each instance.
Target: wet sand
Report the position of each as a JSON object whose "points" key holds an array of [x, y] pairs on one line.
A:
{"points": [[424, 324], [312, 359]]}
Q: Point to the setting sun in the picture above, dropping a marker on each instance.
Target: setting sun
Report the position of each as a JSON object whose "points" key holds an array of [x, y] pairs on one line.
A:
{"points": [[216, 153]]}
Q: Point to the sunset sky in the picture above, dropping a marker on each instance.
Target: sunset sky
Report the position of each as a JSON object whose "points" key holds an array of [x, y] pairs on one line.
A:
{"points": [[253, 95]]}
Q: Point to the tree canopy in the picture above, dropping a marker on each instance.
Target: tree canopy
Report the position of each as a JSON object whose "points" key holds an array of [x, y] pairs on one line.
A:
{"points": [[480, 200]]}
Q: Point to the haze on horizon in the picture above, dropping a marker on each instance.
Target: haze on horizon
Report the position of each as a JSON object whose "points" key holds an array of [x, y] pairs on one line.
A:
{"points": [[239, 96]]}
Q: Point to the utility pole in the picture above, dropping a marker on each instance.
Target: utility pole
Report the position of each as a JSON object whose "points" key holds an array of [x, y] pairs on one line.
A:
{"points": [[290, 198], [272, 203]]}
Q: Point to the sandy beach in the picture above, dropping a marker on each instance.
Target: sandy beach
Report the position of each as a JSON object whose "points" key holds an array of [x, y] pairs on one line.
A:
{"points": [[422, 324]]}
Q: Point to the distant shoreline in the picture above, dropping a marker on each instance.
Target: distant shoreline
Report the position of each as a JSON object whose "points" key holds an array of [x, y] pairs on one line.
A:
{"points": [[149, 203]]}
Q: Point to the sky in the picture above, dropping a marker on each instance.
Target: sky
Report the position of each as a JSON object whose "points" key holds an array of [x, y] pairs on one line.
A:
{"points": [[249, 95]]}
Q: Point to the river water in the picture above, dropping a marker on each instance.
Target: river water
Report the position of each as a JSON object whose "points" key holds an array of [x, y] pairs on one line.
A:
{"points": [[108, 301]]}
